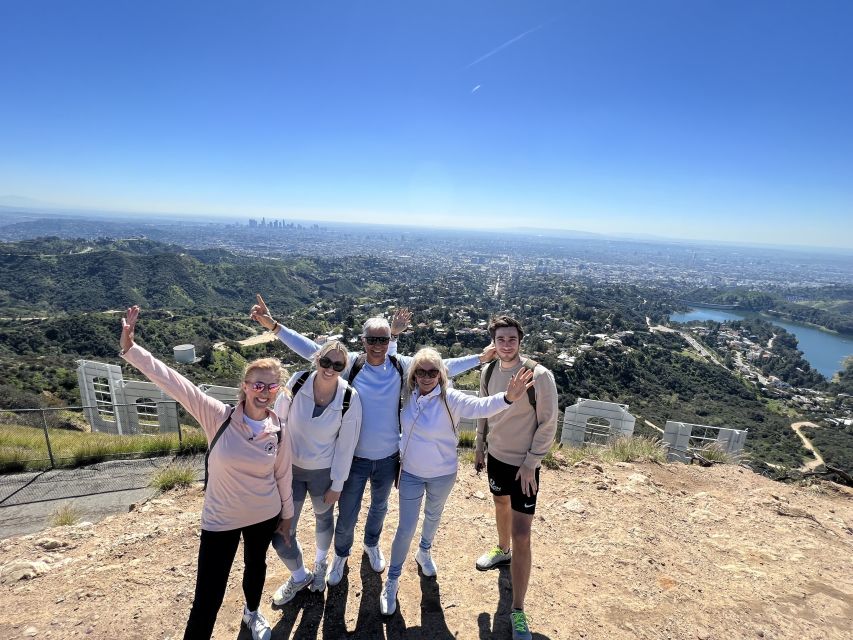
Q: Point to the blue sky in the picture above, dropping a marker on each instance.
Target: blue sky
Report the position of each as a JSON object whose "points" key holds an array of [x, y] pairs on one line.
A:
{"points": [[723, 120]]}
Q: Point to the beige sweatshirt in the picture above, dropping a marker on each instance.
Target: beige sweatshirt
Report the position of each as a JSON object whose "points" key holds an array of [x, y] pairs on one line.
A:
{"points": [[520, 435]]}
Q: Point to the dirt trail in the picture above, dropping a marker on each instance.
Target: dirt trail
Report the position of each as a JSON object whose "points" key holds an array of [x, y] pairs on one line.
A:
{"points": [[621, 552], [818, 459]]}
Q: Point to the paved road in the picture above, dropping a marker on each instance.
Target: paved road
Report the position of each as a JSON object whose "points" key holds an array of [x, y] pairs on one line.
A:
{"points": [[27, 500]]}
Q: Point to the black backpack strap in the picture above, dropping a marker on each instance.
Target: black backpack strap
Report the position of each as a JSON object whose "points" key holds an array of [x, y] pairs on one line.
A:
{"points": [[357, 366], [531, 390], [215, 439], [300, 381], [399, 369], [347, 399]]}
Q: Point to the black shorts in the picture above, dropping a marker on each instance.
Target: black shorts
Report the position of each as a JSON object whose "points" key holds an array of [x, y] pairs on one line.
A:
{"points": [[502, 482]]}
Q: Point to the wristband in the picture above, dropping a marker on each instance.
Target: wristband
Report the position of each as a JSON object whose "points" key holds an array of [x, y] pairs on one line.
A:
{"points": [[507, 400]]}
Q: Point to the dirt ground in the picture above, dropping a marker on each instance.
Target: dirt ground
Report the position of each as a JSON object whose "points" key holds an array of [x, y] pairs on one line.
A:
{"points": [[620, 551]]}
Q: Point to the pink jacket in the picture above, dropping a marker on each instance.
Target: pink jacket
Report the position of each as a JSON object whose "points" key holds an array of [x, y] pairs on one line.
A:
{"points": [[250, 478]]}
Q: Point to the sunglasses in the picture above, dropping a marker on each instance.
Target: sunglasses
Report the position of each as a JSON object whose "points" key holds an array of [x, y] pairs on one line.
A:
{"points": [[426, 373], [328, 362], [257, 387], [377, 339]]}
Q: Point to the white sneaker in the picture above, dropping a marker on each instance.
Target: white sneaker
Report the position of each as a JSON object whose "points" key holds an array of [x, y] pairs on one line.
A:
{"points": [[289, 589], [424, 558], [319, 583], [336, 570], [257, 624], [494, 557], [377, 560], [388, 597]]}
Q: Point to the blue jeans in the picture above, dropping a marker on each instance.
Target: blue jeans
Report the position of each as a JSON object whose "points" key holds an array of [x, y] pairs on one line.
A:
{"points": [[412, 489], [381, 474], [314, 483]]}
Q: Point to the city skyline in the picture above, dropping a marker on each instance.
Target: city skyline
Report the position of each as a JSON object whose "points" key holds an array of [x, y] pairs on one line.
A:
{"points": [[710, 122]]}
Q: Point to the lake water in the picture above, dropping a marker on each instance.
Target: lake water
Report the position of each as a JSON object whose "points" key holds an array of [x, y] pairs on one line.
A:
{"points": [[824, 351]]}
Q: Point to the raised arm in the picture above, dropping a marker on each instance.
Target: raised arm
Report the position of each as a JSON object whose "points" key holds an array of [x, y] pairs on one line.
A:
{"points": [[296, 342], [455, 366], [209, 411], [468, 406]]}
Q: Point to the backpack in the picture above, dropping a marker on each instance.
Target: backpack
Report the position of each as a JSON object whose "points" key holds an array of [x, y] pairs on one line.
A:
{"points": [[219, 433], [301, 381], [528, 364]]}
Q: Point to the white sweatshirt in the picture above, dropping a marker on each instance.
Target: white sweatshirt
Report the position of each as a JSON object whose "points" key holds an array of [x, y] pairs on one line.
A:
{"points": [[325, 441], [428, 445]]}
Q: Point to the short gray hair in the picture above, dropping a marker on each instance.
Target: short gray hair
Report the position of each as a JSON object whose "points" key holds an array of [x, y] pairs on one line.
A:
{"points": [[375, 323]]}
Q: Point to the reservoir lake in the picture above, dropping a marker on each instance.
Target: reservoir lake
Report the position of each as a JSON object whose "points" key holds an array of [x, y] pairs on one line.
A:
{"points": [[824, 351]]}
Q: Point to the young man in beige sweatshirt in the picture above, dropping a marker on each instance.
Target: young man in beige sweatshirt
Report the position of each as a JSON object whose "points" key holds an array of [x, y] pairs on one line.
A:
{"points": [[517, 440]]}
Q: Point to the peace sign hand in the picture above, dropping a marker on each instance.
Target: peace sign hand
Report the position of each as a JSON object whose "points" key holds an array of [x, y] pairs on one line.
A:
{"points": [[519, 384], [261, 314], [128, 327]]}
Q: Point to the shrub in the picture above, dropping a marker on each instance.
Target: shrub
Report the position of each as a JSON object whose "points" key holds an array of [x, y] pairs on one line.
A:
{"points": [[634, 449], [65, 515], [175, 475]]}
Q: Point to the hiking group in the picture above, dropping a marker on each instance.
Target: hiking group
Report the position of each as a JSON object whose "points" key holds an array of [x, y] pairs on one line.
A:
{"points": [[377, 417]]}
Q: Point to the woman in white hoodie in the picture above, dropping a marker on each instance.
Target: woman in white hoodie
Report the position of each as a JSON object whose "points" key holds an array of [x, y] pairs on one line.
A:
{"points": [[428, 456], [323, 425]]}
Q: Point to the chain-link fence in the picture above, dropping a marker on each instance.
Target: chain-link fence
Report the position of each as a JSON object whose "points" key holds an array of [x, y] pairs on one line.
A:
{"points": [[52, 437]]}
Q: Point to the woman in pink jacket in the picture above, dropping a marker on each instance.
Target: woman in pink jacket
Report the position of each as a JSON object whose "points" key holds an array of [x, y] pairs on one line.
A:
{"points": [[249, 490]]}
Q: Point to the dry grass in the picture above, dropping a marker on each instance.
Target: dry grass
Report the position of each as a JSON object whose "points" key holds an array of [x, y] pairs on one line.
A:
{"points": [[175, 475], [65, 515]]}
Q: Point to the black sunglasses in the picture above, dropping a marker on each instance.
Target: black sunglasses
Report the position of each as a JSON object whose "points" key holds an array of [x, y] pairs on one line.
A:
{"points": [[377, 339], [327, 362], [426, 373]]}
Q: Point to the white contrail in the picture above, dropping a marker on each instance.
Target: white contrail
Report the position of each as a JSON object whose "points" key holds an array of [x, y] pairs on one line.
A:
{"points": [[475, 89], [504, 45]]}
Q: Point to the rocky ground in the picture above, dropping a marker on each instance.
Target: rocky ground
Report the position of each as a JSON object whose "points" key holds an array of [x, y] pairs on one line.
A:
{"points": [[620, 551]]}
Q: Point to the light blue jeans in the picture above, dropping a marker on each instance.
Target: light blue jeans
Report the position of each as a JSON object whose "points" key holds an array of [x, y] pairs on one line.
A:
{"points": [[314, 483], [381, 474], [412, 490]]}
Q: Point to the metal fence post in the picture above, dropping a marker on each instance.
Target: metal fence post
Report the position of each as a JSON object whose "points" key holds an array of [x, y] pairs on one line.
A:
{"points": [[47, 439], [180, 435]]}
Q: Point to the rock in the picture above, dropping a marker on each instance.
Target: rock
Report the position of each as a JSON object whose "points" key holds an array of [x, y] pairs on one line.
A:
{"points": [[597, 467], [703, 634], [623, 465], [51, 543], [602, 486], [30, 632], [21, 570], [638, 478], [479, 495], [574, 506]]}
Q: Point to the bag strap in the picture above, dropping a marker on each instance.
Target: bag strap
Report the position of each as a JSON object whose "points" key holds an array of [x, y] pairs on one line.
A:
{"points": [[303, 378], [215, 439], [446, 406]]}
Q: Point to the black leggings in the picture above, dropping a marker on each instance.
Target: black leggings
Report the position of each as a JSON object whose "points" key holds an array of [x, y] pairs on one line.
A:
{"points": [[215, 556]]}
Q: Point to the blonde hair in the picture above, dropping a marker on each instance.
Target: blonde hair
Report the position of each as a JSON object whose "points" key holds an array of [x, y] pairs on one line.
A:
{"points": [[327, 348], [433, 357], [267, 364]]}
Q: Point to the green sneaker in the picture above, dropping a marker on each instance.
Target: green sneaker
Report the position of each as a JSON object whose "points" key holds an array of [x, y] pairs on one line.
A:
{"points": [[494, 557], [520, 630]]}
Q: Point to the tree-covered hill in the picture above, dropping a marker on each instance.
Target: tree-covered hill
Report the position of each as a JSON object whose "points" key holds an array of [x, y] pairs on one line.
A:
{"points": [[40, 277]]}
